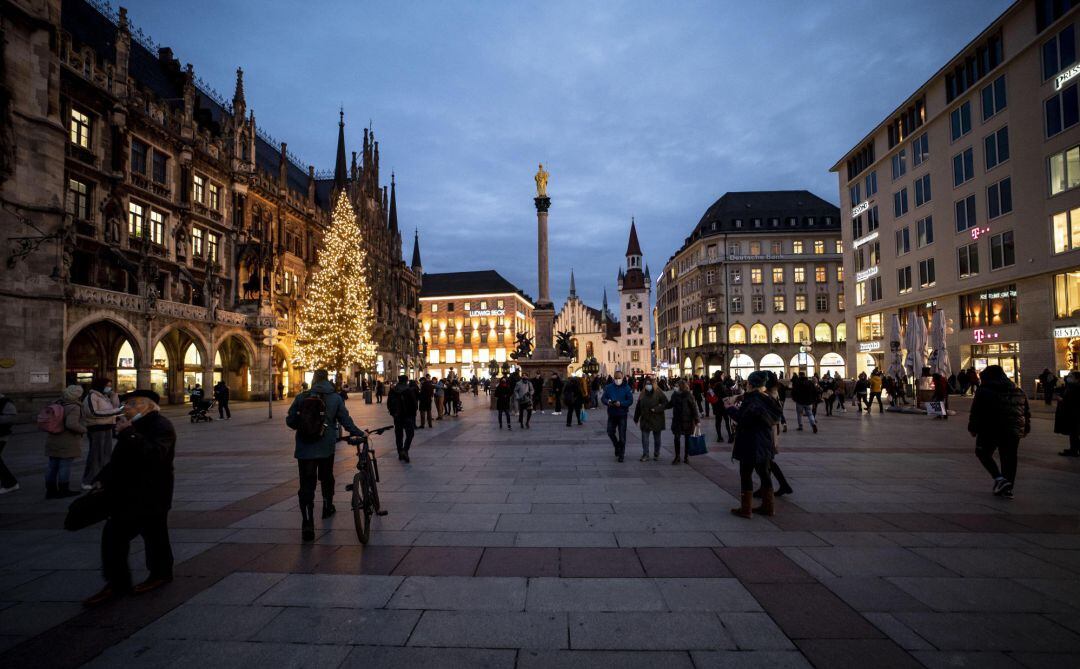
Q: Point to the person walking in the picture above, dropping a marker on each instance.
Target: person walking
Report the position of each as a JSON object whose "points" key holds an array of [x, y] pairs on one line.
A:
{"points": [[757, 415], [523, 397], [64, 446], [138, 487], [617, 397], [805, 395], [100, 409], [684, 418], [402, 405], [862, 384], [877, 381], [440, 397], [1066, 417], [8, 416], [573, 400], [503, 394], [696, 387], [316, 416], [380, 390], [973, 380], [221, 395], [828, 392], [427, 394], [650, 418], [840, 393], [999, 418], [556, 392], [538, 392], [1048, 381]]}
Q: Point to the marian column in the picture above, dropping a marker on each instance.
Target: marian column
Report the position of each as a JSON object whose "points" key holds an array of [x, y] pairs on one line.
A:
{"points": [[545, 359]]}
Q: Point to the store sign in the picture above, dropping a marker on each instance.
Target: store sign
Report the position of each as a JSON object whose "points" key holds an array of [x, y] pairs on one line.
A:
{"points": [[1063, 78], [997, 295], [979, 232], [860, 208], [865, 346], [980, 335], [866, 274], [868, 238], [744, 258], [1067, 332], [487, 312]]}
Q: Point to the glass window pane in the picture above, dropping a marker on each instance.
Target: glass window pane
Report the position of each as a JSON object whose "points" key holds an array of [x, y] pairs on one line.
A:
{"points": [[1070, 110], [1072, 167], [1057, 174], [1050, 60], [1003, 144], [1053, 116], [1074, 224], [1061, 232], [1066, 48]]}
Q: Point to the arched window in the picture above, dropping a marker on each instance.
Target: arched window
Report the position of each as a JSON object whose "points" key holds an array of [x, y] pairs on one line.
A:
{"points": [[833, 364], [780, 335], [771, 362], [841, 332], [693, 337], [700, 336], [742, 365], [800, 333], [822, 332], [759, 334], [803, 362], [686, 339], [736, 334]]}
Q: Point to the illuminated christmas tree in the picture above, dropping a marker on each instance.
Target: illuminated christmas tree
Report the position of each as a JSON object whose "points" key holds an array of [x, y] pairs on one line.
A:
{"points": [[335, 320]]}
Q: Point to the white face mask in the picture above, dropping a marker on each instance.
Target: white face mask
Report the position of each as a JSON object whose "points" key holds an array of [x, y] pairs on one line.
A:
{"points": [[136, 417], [107, 390], [618, 381], [648, 387]]}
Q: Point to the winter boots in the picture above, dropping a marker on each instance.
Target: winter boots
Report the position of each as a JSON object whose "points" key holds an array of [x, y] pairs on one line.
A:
{"points": [[328, 509], [766, 507], [745, 509]]}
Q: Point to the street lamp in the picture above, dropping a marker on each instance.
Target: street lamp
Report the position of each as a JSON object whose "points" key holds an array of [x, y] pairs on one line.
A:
{"points": [[506, 369], [804, 359], [270, 339]]}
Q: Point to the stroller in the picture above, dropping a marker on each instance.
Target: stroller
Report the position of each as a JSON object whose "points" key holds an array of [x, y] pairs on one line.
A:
{"points": [[200, 412]]}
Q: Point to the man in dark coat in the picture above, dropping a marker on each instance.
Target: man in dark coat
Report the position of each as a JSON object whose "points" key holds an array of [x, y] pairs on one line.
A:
{"points": [[757, 415], [221, 394], [138, 486], [556, 392], [1067, 416], [1000, 417], [503, 393], [427, 395], [402, 405], [538, 392], [617, 398], [684, 418], [573, 399]]}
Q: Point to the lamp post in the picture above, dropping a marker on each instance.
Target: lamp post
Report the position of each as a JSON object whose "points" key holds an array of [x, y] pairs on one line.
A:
{"points": [[804, 359], [591, 367], [270, 339], [734, 356]]}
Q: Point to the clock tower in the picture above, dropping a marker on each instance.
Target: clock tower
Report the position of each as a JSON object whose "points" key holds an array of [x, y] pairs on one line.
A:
{"points": [[635, 292]]}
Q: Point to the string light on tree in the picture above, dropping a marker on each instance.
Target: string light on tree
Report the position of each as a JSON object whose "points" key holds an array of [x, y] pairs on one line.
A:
{"points": [[335, 321]]}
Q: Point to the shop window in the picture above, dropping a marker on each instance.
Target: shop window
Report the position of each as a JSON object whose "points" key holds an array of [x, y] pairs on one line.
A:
{"points": [[869, 327], [1066, 231], [995, 306], [1067, 294], [1064, 170]]}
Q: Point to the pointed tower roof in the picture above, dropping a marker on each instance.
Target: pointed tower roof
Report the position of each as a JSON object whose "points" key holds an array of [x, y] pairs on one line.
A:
{"points": [[341, 174], [605, 300], [573, 286], [238, 94], [393, 205], [416, 264], [633, 248]]}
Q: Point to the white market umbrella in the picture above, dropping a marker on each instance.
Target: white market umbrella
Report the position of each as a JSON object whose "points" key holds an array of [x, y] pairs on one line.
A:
{"points": [[896, 358], [939, 354], [915, 343]]}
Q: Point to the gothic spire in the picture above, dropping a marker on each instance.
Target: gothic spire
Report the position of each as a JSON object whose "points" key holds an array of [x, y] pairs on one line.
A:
{"points": [[633, 248], [238, 95], [341, 174], [416, 264], [573, 287], [393, 205]]}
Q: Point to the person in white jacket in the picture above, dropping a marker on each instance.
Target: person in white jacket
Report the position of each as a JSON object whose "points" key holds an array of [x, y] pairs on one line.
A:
{"points": [[101, 406], [523, 395]]}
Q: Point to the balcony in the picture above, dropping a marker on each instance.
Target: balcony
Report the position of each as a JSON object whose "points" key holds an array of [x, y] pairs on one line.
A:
{"points": [[82, 155], [206, 212]]}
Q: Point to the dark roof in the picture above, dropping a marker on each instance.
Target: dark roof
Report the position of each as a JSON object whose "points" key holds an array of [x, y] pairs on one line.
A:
{"points": [[468, 283], [416, 251], [633, 248]]}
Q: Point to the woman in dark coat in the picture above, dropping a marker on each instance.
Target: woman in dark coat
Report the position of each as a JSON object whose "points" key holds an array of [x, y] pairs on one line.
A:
{"points": [[757, 416], [999, 419], [1067, 416], [684, 418]]}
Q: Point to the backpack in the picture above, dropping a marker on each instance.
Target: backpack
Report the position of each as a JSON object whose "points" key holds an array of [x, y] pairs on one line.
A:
{"points": [[51, 418], [311, 418]]}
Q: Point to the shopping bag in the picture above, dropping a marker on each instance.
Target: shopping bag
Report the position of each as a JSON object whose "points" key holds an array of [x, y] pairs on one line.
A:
{"points": [[583, 415], [935, 409], [695, 444], [87, 510]]}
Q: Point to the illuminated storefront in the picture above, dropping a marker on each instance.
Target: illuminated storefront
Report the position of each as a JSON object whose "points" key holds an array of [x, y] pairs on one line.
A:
{"points": [[471, 319], [1066, 333]]}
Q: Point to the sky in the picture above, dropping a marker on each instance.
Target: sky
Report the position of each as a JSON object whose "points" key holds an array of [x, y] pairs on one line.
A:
{"points": [[650, 110]]}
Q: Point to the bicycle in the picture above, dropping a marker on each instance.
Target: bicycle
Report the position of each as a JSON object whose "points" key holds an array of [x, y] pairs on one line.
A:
{"points": [[364, 488]]}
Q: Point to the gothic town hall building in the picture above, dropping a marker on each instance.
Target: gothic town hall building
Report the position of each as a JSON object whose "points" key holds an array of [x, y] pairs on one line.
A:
{"points": [[153, 231]]}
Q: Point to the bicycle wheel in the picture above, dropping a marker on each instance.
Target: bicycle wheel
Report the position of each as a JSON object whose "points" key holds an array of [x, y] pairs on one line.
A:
{"points": [[360, 519], [367, 507]]}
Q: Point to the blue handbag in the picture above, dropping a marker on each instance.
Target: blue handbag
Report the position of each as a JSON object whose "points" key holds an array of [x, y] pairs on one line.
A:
{"points": [[695, 444], [583, 415]]}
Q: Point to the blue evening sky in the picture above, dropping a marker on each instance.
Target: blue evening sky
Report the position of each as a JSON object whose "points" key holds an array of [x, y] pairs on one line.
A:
{"points": [[645, 109]]}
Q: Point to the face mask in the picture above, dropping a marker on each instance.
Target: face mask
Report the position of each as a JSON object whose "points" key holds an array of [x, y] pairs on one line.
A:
{"points": [[618, 382], [136, 417], [648, 387], [107, 390]]}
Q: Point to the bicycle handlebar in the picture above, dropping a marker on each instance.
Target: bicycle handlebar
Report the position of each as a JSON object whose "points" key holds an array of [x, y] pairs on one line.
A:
{"points": [[366, 433]]}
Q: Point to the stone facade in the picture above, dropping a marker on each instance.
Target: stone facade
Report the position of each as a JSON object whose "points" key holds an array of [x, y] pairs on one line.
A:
{"points": [[157, 230]]}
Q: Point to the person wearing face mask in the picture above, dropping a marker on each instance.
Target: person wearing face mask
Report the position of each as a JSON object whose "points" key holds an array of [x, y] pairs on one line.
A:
{"points": [[684, 418], [757, 415], [101, 406], [617, 397], [649, 415], [138, 485]]}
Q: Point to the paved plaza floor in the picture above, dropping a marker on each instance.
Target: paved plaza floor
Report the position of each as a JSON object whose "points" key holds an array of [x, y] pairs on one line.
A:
{"points": [[535, 548]]}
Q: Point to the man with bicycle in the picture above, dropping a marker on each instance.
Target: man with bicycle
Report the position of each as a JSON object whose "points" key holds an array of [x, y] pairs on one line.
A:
{"points": [[315, 415]]}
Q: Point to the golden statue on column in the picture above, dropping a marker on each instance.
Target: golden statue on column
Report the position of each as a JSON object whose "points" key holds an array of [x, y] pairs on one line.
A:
{"points": [[541, 182]]}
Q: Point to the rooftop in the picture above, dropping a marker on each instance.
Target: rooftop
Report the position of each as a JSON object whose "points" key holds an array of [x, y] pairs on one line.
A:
{"points": [[481, 282]]}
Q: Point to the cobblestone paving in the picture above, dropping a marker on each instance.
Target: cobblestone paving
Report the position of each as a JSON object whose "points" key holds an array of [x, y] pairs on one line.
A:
{"points": [[535, 548]]}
